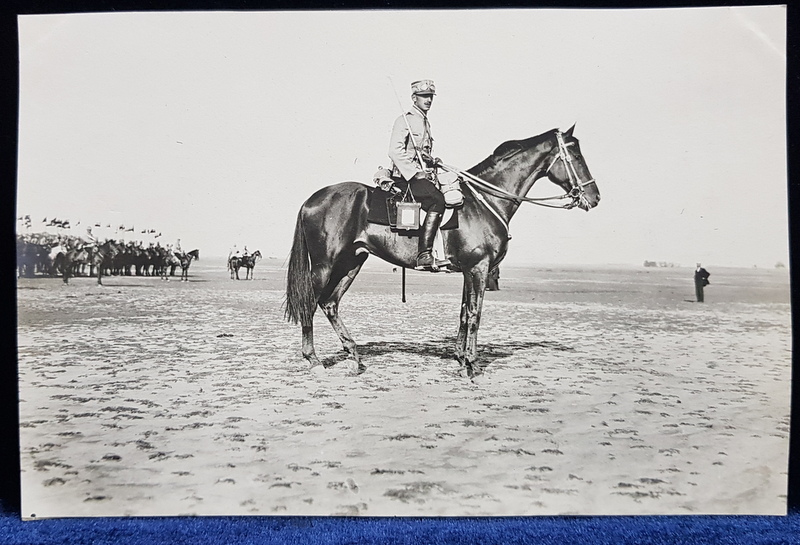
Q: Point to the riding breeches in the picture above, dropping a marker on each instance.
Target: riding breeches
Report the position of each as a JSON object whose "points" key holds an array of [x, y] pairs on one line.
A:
{"points": [[425, 193]]}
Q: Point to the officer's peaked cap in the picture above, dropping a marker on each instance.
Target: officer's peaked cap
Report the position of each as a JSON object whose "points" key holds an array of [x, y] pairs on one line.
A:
{"points": [[423, 87]]}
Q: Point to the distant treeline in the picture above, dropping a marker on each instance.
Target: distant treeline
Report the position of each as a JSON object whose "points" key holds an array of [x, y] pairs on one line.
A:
{"points": [[660, 264]]}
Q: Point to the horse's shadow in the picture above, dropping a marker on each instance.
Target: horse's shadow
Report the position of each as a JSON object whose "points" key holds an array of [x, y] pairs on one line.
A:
{"points": [[443, 349]]}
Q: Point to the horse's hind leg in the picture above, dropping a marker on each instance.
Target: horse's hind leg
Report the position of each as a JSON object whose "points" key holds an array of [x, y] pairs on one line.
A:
{"points": [[330, 306], [307, 346]]}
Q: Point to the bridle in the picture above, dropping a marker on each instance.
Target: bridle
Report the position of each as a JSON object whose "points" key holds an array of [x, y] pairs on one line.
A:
{"points": [[576, 194]]}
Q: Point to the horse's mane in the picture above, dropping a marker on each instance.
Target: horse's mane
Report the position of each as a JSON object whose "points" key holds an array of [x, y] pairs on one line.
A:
{"points": [[507, 149]]}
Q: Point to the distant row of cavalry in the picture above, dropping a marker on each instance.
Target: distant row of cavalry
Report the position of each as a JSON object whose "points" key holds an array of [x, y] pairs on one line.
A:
{"points": [[68, 256], [45, 254]]}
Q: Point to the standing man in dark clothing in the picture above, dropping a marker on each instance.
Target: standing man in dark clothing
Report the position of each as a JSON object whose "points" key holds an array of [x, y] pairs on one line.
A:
{"points": [[410, 151], [493, 282], [700, 281]]}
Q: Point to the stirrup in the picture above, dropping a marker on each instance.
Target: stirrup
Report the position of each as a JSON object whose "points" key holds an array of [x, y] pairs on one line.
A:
{"points": [[426, 262], [435, 265]]}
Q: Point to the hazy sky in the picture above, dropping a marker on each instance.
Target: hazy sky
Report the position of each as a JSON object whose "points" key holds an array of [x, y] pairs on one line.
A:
{"points": [[214, 127]]}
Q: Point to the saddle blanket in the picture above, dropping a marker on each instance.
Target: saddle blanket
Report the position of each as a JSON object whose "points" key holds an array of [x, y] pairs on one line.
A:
{"points": [[381, 204]]}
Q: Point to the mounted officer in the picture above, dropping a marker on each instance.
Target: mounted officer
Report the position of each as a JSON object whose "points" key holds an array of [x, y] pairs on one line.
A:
{"points": [[410, 150]]}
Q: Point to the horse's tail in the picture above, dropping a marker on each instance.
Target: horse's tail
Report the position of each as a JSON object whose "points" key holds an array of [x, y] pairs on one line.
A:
{"points": [[300, 303]]}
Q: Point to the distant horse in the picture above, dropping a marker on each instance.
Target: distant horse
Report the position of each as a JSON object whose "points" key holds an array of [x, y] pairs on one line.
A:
{"points": [[170, 262], [234, 264], [333, 238], [102, 258], [186, 260], [99, 257], [249, 263], [67, 261]]}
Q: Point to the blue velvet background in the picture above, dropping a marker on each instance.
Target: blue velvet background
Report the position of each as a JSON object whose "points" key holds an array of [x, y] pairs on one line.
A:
{"points": [[689, 530], [301, 530]]}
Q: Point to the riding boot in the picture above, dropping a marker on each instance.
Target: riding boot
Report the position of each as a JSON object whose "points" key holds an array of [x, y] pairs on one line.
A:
{"points": [[425, 260]]}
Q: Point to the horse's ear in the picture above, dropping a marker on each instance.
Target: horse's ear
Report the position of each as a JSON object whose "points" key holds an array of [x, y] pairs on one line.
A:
{"points": [[569, 131]]}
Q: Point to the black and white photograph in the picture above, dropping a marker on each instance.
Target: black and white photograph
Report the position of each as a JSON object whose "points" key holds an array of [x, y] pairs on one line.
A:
{"points": [[461, 263]]}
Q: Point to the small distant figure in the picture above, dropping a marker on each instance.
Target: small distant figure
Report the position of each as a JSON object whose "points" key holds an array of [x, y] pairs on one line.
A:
{"points": [[493, 282], [700, 281]]}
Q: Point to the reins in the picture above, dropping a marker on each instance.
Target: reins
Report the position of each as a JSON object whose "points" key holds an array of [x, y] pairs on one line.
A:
{"points": [[576, 194], [502, 193]]}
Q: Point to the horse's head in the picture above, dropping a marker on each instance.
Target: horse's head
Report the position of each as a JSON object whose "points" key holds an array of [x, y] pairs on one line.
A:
{"points": [[568, 170]]}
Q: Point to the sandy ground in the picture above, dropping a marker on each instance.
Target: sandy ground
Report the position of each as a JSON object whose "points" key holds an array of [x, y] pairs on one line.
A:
{"points": [[607, 391]]}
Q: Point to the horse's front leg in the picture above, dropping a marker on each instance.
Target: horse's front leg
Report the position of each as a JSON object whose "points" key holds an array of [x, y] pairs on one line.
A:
{"points": [[461, 339], [475, 287]]}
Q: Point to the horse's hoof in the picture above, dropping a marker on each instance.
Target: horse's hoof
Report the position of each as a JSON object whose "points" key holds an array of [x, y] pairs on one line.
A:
{"points": [[478, 378], [318, 369], [356, 368]]}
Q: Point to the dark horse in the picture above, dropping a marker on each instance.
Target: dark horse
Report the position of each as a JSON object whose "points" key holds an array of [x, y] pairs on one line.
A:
{"points": [[186, 260], [247, 261], [234, 264], [99, 257], [332, 238]]}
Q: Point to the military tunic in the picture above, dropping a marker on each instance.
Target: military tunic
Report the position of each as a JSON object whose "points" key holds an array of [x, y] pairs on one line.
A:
{"points": [[401, 146]]}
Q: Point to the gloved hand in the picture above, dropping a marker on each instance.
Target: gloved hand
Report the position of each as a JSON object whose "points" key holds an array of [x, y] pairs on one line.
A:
{"points": [[421, 176], [431, 162]]}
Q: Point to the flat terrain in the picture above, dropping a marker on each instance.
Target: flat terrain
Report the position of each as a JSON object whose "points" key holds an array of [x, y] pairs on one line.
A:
{"points": [[607, 391]]}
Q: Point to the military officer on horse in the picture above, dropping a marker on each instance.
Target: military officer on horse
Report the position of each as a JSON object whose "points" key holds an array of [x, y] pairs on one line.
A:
{"points": [[413, 167]]}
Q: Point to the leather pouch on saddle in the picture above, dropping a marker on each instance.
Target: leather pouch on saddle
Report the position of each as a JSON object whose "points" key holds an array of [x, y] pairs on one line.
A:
{"points": [[403, 212], [450, 186], [403, 215], [383, 179]]}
